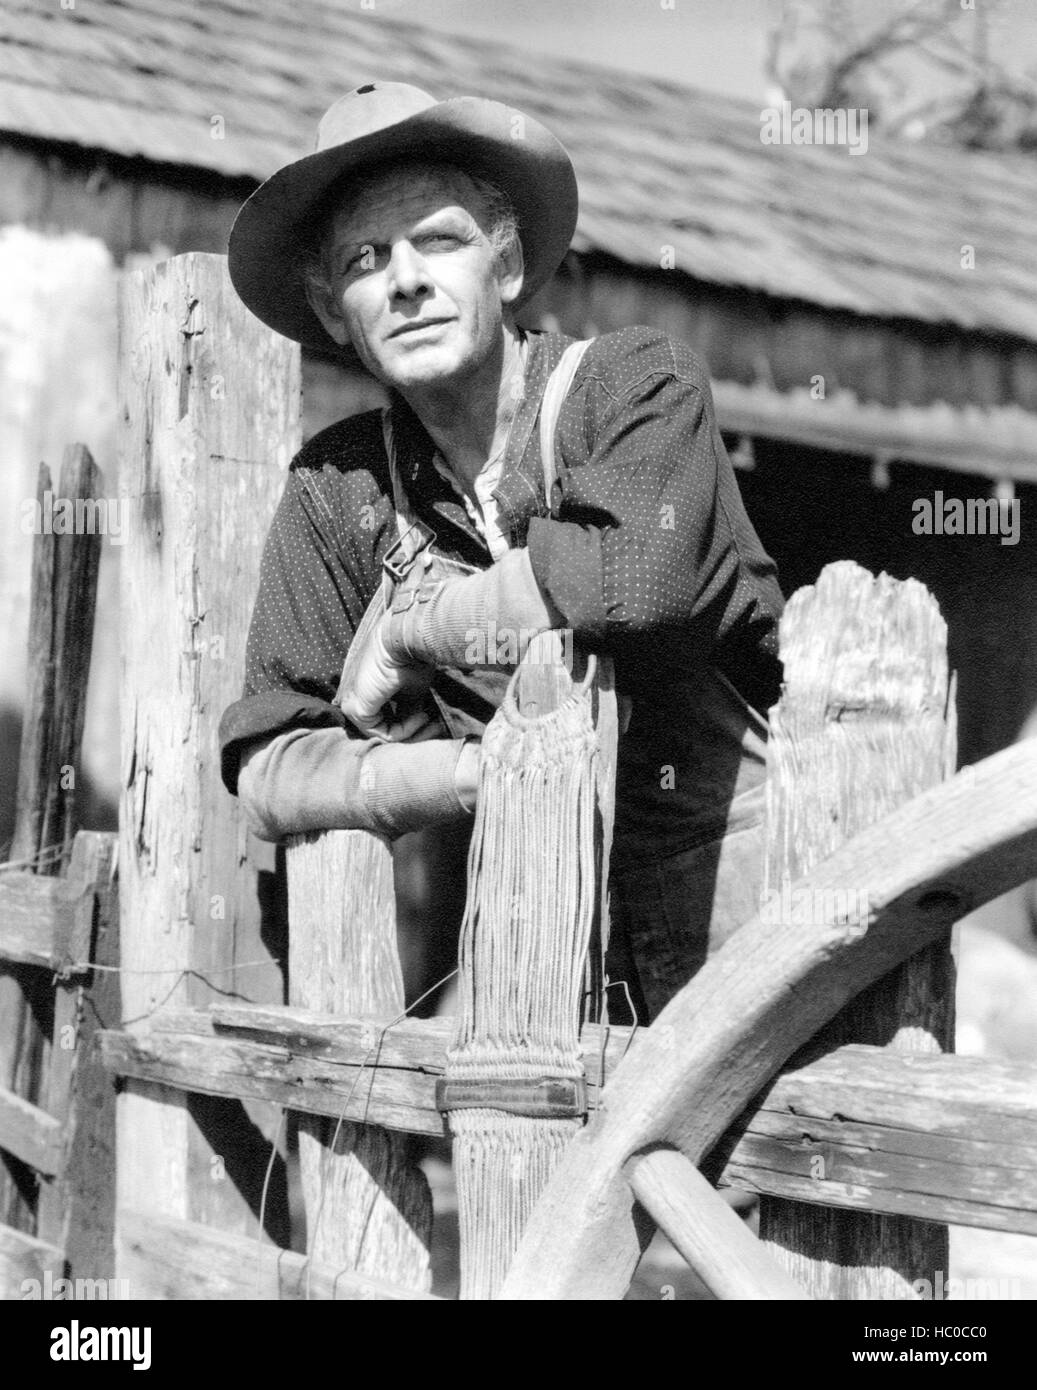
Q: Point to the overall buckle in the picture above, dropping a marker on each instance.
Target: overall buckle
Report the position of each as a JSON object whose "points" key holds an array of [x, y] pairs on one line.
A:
{"points": [[401, 555]]}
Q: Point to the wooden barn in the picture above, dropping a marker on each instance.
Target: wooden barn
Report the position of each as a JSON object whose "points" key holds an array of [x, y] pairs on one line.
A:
{"points": [[870, 321]]}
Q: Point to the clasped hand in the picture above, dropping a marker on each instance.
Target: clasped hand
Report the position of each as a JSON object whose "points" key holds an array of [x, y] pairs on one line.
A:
{"points": [[387, 699]]}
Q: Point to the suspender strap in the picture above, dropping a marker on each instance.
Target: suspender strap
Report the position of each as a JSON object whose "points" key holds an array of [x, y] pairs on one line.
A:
{"points": [[413, 535], [555, 392], [404, 516]]}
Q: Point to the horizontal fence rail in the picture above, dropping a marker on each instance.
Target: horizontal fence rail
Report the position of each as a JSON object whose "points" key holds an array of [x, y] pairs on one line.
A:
{"points": [[28, 1132], [45, 921], [939, 1137], [170, 1259]]}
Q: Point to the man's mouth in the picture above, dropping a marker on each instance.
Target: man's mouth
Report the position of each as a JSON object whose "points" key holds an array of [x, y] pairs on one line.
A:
{"points": [[417, 326]]}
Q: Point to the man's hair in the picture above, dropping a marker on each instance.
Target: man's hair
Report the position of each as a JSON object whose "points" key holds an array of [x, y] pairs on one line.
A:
{"points": [[497, 218]]}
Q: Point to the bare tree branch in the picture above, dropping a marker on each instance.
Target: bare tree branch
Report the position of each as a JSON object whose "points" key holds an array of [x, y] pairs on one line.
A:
{"points": [[818, 54]]}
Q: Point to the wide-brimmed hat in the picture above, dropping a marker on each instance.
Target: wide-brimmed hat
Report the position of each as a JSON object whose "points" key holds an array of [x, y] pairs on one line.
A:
{"points": [[383, 121]]}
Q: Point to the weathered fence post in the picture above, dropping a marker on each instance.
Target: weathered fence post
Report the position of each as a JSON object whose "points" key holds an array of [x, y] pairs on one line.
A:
{"points": [[514, 1085], [210, 419], [367, 1207], [62, 1198], [61, 625], [864, 724], [89, 1171]]}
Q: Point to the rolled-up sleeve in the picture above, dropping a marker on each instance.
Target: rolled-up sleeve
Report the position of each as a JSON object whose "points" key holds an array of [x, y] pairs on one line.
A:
{"points": [[641, 540], [323, 779]]}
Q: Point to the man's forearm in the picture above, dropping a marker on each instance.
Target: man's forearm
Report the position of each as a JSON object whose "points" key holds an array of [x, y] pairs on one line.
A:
{"points": [[322, 779], [450, 627]]}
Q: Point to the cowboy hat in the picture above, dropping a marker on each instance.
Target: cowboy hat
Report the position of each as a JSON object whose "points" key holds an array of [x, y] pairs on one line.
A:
{"points": [[393, 120]]}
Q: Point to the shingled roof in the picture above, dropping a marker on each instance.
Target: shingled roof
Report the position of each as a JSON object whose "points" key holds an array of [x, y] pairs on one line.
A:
{"points": [[659, 165]]}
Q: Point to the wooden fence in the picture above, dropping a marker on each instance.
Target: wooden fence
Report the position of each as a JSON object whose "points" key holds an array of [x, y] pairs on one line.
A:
{"points": [[57, 913], [874, 1117]]}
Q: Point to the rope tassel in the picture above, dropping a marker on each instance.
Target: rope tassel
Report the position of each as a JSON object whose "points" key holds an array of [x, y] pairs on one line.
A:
{"points": [[502, 1163], [534, 893]]}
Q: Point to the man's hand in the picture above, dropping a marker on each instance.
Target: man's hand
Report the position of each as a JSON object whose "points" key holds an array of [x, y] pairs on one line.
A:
{"points": [[436, 623], [381, 678]]}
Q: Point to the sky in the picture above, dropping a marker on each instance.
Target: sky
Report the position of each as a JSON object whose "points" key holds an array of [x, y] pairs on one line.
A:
{"points": [[703, 43], [718, 45]]}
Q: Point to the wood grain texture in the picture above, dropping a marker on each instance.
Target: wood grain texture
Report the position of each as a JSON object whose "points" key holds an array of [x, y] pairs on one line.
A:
{"points": [[762, 996], [89, 1171], [41, 1135], [166, 1259], [712, 1237], [43, 921], [209, 410], [542, 681], [24, 1257], [367, 1206], [29, 1133], [361, 1069], [91, 865], [61, 623], [860, 729], [222, 1067], [940, 1137], [417, 1045], [64, 592]]}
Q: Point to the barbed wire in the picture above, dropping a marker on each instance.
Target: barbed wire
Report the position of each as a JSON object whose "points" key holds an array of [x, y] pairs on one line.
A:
{"points": [[364, 1068], [182, 973], [44, 856]]}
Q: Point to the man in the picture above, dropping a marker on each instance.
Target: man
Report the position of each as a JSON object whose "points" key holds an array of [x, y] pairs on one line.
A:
{"points": [[408, 242]]}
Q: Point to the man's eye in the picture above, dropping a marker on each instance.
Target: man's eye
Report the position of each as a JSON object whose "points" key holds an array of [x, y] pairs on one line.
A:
{"points": [[364, 258], [440, 240]]}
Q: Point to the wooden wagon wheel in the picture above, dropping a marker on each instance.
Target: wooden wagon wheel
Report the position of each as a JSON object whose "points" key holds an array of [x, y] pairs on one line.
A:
{"points": [[754, 1003]]}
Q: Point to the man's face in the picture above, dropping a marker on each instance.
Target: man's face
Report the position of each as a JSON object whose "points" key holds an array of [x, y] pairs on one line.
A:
{"points": [[418, 287]]}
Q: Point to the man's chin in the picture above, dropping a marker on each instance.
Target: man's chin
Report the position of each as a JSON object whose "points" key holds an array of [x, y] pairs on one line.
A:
{"points": [[423, 364]]}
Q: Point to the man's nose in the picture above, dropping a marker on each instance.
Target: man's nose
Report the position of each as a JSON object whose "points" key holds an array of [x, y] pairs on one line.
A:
{"points": [[408, 273]]}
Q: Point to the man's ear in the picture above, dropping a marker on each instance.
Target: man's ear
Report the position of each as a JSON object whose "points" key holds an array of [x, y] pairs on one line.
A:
{"points": [[511, 273], [322, 304]]}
